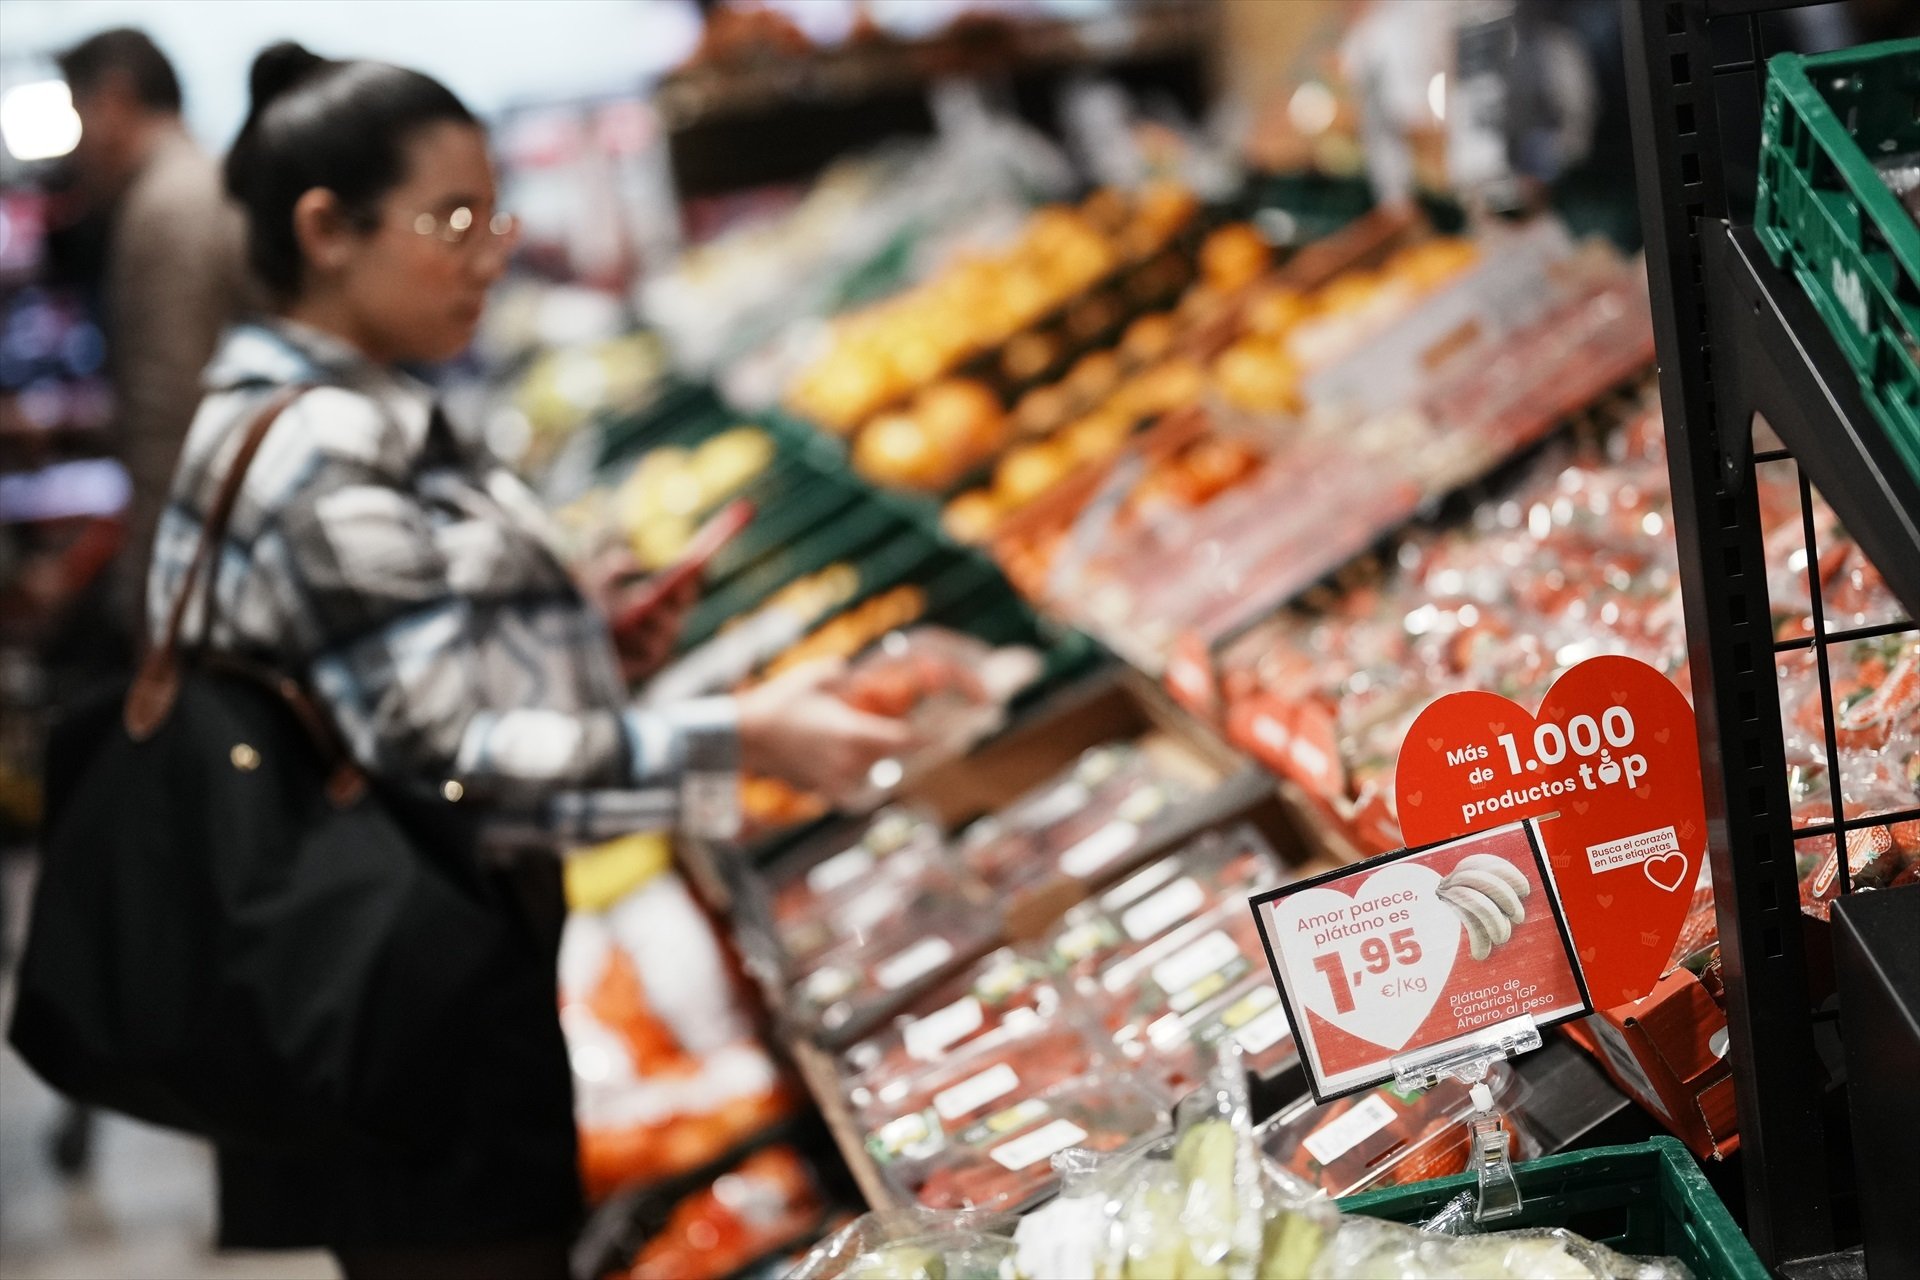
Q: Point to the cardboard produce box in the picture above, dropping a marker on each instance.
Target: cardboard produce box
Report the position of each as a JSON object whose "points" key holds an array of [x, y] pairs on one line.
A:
{"points": [[1668, 1052]]}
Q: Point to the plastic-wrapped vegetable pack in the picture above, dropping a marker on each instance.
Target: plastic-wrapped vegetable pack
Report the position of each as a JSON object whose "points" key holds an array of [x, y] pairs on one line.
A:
{"points": [[914, 1244], [1367, 1247], [1202, 1205]]}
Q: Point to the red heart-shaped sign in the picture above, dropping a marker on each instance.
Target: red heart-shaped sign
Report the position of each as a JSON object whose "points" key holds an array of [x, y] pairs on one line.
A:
{"points": [[1609, 729]]}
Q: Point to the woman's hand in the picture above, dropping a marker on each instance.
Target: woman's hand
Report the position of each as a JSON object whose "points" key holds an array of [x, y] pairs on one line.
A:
{"points": [[792, 728]]}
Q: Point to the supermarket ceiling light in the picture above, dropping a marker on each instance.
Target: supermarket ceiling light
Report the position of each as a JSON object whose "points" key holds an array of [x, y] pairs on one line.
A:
{"points": [[38, 121], [1312, 108], [1437, 95]]}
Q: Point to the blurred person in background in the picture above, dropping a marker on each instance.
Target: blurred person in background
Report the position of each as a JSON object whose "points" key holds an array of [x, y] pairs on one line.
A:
{"points": [[175, 273], [410, 584]]}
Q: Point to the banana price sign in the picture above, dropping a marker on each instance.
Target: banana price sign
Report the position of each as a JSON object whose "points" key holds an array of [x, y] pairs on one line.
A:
{"points": [[1406, 952]]}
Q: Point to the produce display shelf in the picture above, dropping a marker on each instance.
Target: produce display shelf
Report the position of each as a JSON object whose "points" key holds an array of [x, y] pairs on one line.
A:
{"points": [[1643, 1198], [1605, 398], [1105, 707], [813, 511], [1823, 212], [822, 1082]]}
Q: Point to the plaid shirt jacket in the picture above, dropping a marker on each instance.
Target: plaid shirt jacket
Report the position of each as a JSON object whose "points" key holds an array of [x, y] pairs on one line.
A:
{"points": [[412, 583]]}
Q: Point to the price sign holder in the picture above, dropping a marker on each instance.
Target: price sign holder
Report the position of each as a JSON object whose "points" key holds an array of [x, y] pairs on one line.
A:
{"points": [[1423, 965], [1421, 959], [1468, 1060]]}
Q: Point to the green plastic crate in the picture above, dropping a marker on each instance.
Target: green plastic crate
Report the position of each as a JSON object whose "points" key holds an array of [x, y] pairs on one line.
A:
{"points": [[1646, 1198], [1824, 212]]}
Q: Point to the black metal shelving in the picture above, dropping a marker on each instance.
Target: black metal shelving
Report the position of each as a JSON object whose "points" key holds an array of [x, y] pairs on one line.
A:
{"points": [[1777, 360], [1737, 340]]}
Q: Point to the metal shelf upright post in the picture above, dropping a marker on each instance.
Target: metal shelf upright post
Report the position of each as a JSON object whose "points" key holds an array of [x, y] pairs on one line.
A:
{"points": [[1737, 338]]}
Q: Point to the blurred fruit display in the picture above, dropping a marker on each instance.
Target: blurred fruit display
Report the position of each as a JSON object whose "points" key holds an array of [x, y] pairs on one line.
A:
{"points": [[762, 1204], [669, 1073]]}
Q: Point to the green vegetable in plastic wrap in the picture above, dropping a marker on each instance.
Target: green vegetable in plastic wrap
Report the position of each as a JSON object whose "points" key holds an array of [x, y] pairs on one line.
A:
{"points": [[898, 1262], [1289, 1245]]}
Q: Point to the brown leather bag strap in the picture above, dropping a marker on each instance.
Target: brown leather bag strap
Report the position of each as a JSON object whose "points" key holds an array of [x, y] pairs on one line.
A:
{"points": [[158, 682]]}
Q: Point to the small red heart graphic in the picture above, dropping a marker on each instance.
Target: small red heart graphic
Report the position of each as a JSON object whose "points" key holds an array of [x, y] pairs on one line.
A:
{"points": [[1434, 744], [1662, 736], [1604, 899], [1581, 806], [1588, 953], [1667, 869], [1498, 726], [1412, 798]]}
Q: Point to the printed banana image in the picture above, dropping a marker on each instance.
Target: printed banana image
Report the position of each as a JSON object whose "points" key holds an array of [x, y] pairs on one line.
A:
{"points": [[1486, 892]]}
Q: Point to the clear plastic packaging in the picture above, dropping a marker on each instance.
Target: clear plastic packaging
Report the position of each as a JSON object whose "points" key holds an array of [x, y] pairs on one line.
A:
{"points": [[922, 942], [913, 1117], [1493, 603], [827, 895], [913, 1244], [1076, 825], [667, 1071], [1388, 1136], [1248, 1013], [1005, 1161], [1202, 1203], [1203, 873], [951, 689], [1389, 1251], [1007, 988], [1161, 1004]]}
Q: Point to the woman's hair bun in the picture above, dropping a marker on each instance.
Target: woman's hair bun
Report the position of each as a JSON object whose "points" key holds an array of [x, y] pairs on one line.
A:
{"points": [[278, 68], [343, 126]]}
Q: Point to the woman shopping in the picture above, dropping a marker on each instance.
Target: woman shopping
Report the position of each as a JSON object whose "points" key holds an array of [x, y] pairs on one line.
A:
{"points": [[407, 583]]}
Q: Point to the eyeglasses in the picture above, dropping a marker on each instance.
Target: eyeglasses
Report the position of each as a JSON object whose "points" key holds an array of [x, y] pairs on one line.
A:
{"points": [[459, 227]]}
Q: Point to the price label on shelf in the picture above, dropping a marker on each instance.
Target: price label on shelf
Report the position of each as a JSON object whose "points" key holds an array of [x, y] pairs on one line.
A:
{"points": [[1415, 949], [916, 962], [1612, 768], [929, 1036]]}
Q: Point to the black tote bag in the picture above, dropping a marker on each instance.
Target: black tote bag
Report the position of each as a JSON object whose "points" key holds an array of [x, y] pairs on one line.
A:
{"points": [[232, 933]]}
